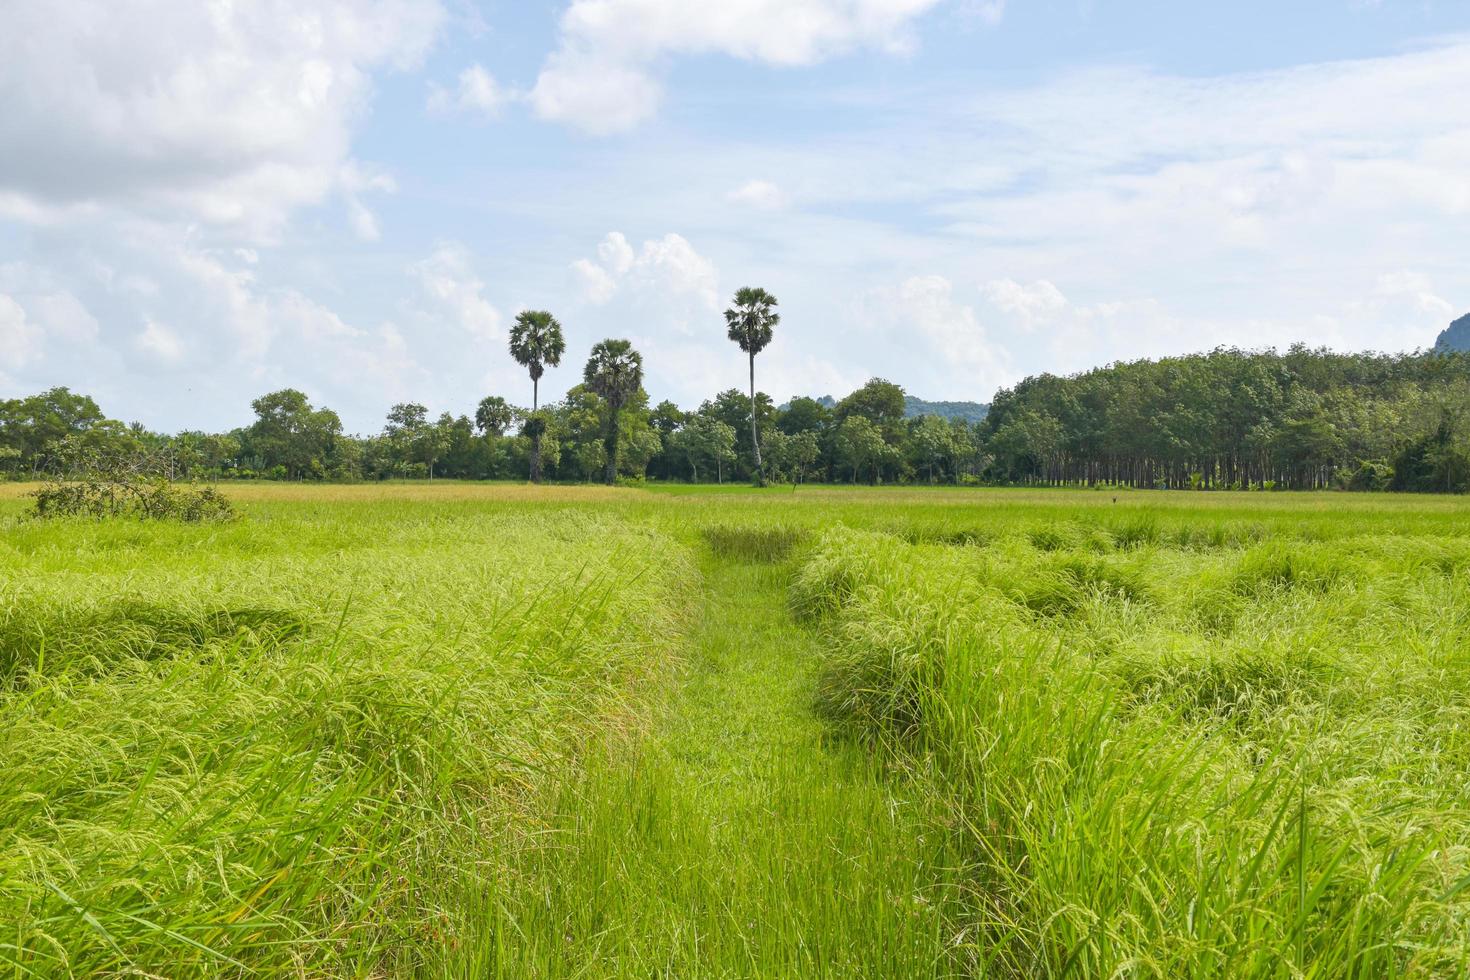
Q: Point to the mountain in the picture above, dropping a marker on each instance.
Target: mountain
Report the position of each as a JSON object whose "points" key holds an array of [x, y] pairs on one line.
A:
{"points": [[1456, 336], [971, 412]]}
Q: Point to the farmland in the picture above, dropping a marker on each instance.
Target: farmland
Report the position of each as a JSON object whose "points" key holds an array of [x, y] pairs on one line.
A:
{"points": [[496, 730]]}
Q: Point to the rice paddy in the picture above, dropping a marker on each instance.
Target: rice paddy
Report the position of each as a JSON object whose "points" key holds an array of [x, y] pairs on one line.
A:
{"points": [[483, 730]]}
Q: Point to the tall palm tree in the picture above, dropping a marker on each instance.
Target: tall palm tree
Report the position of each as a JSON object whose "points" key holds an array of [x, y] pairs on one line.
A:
{"points": [[752, 320], [614, 372], [535, 343]]}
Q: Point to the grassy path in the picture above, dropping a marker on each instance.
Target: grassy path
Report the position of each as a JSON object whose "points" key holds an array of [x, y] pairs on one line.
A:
{"points": [[728, 838]]}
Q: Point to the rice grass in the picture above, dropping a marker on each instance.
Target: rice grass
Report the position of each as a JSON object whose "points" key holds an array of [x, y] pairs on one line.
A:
{"points": [[291, 746], [1249, 762], [490, 730]]}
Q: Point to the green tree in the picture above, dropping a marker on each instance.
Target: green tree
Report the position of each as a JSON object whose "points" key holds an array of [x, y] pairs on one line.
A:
{"points": [[408, 432], [751, 322], [860, 445], [291, 436], [35, 425], [536, 342], [614, 372], [494, 415], [806, 449], [706, 439], [804, 415], [933, 443]]}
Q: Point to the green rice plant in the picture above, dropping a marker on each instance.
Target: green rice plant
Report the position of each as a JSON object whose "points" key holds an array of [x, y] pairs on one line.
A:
{"points": [[760, 543], [460, 730], [1197, 802], [251, 750], [1059, 587], [1288, 566]]}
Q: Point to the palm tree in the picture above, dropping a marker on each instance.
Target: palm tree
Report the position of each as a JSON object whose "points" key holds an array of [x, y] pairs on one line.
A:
{"points": [[752, 320], [614, 372], [535, 342]]}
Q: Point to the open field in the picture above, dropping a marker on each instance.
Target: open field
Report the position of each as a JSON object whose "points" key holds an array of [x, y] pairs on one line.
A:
{"points": [[493, 730]]}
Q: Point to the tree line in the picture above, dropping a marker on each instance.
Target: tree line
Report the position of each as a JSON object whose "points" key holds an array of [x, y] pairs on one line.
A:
{"points": [[1306, 419], [1303, 419]]}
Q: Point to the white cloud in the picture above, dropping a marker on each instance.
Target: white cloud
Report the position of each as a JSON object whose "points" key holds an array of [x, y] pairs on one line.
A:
{"points": [[600, 77], [355, 180], [923, 309], [1417, 289], [19, 337], [597, 95], [453, 288], [667, 267], [476, 91], [228, 297], [65, 318], [1035, 303], [615, 253], [222, 112], [670, 264], [160, 343], [598, 284], [760, 194]]}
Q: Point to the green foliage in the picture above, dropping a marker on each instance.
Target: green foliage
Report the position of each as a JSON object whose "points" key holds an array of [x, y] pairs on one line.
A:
{"points": [[288, 432], [152, 499], [1305, 419], [1226, 420], [1208, 759], [96, 485], [494, 415], [300, 744], [752, 319], [536, 341], [760, 543], [614, 373]]}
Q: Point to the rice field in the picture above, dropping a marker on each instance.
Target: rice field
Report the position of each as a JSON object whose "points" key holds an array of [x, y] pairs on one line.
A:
{"points": [[485, 730]]}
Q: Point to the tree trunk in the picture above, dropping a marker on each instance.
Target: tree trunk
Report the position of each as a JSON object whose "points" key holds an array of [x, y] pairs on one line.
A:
{"points": [[535, 435], [755, 436], [612, 448]]}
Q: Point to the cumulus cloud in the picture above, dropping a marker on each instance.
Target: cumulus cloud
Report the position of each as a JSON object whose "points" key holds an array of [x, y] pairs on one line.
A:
{"points": [[224, 113], [65, 318], [160, 342], [1035, 303], [453, 288], [19, 337], [668, 267], [923, 310], [476, 92], [601, 78]]}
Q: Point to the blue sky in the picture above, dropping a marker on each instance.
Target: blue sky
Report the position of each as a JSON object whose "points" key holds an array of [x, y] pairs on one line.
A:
{"points": [[202, 202]]}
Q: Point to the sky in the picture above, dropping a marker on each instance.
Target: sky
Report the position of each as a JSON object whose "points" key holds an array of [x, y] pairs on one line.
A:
{"points": [[204, 201]]}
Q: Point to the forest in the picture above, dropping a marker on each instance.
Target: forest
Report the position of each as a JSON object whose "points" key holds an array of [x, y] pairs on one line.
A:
{"points": [[1227, 419]]}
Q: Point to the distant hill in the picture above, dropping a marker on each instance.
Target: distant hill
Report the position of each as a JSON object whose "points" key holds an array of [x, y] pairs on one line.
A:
{"points": [[914, 407], [969, 411], [1456, 336]]}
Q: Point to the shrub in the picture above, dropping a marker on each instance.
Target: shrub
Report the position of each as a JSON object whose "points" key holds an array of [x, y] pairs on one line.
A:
{"points": [[126, 485], [155, 499]]}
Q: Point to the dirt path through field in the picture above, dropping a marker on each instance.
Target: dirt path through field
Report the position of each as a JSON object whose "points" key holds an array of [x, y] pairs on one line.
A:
{"points": [[732, 838]]}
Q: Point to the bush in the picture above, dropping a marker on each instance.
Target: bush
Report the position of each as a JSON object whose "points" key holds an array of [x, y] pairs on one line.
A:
{"points": [[157, 500], [131, 485]]}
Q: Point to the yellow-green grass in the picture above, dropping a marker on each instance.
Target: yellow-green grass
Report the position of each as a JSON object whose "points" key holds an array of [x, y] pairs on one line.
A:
{"points": [[294, 743], [491, 729], [1178, 756]]}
